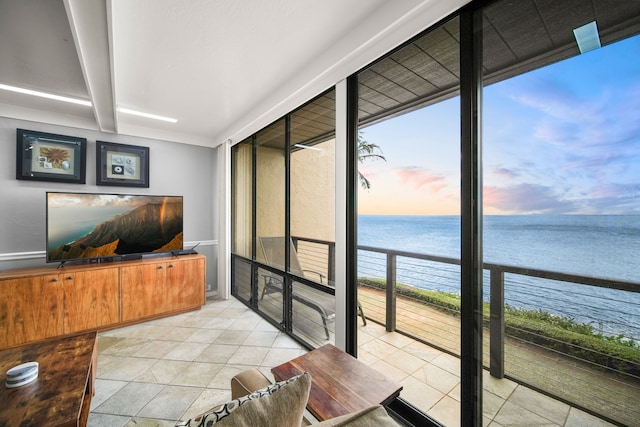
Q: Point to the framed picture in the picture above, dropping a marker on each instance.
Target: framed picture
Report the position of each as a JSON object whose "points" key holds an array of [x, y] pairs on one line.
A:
{"points": [[122, 165], [44, 156]]}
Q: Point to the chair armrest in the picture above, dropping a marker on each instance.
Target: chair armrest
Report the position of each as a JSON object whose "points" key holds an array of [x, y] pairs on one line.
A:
{"points": [[248, 381], [320, 275]]}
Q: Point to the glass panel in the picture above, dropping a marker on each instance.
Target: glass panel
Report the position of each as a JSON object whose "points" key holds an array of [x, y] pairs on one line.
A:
{"points": [[561, 151], [241, 196], [241, 274], [270, 215], [313, 189], [270, 294], [313, 314], [409, 202], [270, 188]]}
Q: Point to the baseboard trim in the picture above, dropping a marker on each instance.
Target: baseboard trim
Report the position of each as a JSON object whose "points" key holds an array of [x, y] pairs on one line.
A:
{"points": [[18, 256]]}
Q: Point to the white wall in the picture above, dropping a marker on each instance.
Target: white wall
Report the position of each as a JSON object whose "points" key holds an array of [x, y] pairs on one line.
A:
{"points": [[175, 169]]}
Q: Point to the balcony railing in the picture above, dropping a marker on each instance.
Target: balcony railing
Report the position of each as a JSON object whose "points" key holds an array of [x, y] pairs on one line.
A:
{"points": [[574, 337]]}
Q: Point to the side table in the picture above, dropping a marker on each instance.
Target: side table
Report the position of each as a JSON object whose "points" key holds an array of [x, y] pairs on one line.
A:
{"points": [[61, 395], [340, 383]]}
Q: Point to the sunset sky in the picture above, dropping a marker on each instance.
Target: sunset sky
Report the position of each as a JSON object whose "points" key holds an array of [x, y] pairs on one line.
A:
{"points": [[563, 139]]}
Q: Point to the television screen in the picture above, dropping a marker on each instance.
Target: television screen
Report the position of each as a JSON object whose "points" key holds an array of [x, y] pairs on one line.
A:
{"points": [[96, 226]]}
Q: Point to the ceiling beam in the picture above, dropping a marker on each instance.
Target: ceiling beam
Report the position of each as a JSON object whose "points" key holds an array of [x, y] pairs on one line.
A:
{"points": [[88, 22]]}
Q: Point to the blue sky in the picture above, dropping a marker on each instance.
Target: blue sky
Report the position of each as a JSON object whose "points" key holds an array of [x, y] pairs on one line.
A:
{"points": [[563, 139]]}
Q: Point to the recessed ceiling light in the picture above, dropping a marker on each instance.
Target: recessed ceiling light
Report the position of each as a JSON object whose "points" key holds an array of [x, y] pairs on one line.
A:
{"points": [[147, 115], [307, 147], [45, 95], [587, 37]]}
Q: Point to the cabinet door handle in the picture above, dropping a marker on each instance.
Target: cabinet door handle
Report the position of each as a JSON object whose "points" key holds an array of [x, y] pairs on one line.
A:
{"points": [[69, 277], [55, 279], [170, 265], [160, 267]]}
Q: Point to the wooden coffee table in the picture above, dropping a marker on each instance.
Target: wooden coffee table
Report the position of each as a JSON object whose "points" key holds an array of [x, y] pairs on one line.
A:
{"points": [[61, 396], [341, 384]]}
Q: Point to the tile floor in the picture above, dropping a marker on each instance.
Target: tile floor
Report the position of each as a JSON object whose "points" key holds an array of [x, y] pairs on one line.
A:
{"points": [[155, 373]]}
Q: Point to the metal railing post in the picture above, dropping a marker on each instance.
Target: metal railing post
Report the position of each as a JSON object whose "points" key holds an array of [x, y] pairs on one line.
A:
{"points": [[391, 292], [331, 262], [496, 324]]}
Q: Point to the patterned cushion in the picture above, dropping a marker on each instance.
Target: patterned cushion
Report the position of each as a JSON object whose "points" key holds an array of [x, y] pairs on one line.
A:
{"points": [[263, 407]]}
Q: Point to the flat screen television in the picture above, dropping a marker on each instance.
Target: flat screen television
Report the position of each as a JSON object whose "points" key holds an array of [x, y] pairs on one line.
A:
{"points": [[84, 226]]}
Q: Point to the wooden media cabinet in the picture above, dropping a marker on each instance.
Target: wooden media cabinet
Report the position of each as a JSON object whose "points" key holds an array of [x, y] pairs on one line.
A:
{"points": [[43, 302]]}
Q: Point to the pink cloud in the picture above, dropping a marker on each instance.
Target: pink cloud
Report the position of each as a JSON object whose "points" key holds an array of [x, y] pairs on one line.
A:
{"points": [[419, 177]]}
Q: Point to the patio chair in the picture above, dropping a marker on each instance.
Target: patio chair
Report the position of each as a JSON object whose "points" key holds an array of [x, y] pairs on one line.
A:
{"points": [[323, 303]]}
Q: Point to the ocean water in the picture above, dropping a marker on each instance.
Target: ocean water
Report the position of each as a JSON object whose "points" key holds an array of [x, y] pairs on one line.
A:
{"points": [[606, 246]]}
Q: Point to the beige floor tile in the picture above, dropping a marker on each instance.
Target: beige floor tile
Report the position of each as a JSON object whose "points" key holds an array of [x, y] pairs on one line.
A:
{"points": [[124, 368], [232, 336], [261, 338], [366, 357], [422, 351], [419, 394], [277, 356], [448, 363], [373, 329], [220, 323], [500, 387], [380, 348], [436, 377], [166, 333], [170, 403], [156, 349], [217, 353], [578, 418], [396, 339], [104, 342], [186, 351], [405, 361], [252, 356], [126, 347], [133, 331], [392, 371], [107, 420], [209, 311], [197, 374], [130, 399], [233, 313], [285, 341], [148, 422], [162, 372], [491, 404], [204, 335], [540, 404], [245, 324], [514, 415], [104, 390], [446, 411], [455, 393]]}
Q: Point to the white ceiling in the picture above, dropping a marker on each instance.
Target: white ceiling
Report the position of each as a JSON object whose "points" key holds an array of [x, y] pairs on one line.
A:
{"points": [[223, 68]]}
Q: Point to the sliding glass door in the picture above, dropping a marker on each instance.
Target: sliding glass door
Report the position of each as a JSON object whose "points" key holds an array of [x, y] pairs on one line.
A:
{"points": [[409, 219], [562, 210], [284, 266]]}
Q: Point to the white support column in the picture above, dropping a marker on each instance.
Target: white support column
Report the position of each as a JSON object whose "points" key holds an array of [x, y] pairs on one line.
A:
{"points": [[224, 221], [341, 212]]}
